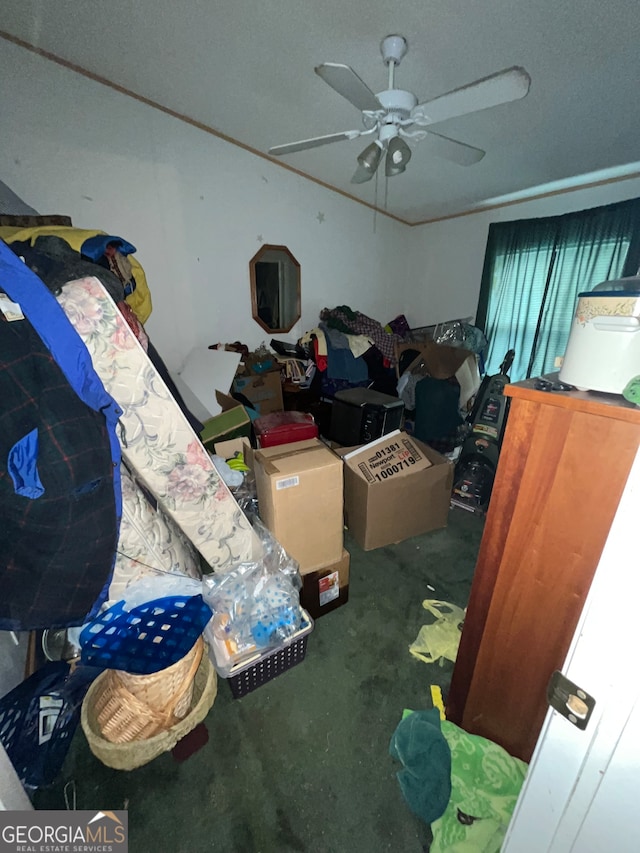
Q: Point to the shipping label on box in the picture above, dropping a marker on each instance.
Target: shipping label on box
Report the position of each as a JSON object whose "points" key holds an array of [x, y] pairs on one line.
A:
{"points": [[328, 588], [287, 483], [387, 458]]}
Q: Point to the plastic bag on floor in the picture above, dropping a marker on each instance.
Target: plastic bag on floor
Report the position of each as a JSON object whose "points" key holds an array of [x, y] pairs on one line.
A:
{"points": [[439, 640], [38, 719]]}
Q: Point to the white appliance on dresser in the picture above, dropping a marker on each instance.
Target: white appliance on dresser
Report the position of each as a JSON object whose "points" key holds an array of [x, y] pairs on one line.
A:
{"points": [[603, 352]]}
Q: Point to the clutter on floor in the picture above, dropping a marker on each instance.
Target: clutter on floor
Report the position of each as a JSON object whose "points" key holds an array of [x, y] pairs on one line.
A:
{"points": [[255, 607], [300, 496], [358, 415], [425, 780], [439, 640], [485, 785], [326, 588], [221, 493], [463, 785], [164, 731]]}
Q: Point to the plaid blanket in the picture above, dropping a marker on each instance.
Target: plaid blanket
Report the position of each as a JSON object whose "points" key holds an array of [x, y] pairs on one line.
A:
{"points": [[59, 467]]}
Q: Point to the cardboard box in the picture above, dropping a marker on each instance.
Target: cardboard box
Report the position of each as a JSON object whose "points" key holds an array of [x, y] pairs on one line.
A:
{"points": [[395, 487], [325, 589], [229, 448], [300, 495], [438, 360], [263, 391], [232, 422]]}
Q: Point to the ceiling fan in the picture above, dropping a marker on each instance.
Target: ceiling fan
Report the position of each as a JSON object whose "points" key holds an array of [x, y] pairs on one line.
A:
{"points": [[395, 115]]}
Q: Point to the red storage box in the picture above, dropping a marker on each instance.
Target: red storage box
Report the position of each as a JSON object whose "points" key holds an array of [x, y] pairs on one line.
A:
{"points": [[284, 428]]}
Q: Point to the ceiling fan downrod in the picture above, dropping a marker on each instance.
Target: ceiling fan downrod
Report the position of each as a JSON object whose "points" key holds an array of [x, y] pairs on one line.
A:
{"points": [[393, 48]]}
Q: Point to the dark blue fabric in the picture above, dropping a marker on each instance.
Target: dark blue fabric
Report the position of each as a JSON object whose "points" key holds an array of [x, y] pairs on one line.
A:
{"points": [[342, 364], [66, 346], [437, 414], [69, 352], [95, 247], [38, 760], [57, 549], [22, 465]]}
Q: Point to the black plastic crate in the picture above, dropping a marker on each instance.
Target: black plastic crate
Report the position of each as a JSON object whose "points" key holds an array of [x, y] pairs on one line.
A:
{"points": [[247, 677]]}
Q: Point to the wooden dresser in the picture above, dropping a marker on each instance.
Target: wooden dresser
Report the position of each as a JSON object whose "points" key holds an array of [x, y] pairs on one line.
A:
{"points": [[563, 465]]}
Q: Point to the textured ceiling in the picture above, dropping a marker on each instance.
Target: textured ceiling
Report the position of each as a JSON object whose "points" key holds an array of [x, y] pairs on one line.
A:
{"points": [[245, 69]]}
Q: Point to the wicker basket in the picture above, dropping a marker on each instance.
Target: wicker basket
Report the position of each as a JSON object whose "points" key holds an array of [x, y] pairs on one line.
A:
{"points": [[132, 754], [134, 707], [165, 689]]}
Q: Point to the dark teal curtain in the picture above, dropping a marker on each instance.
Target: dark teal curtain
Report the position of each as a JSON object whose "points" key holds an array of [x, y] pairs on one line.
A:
{"points": [[533, 272]]}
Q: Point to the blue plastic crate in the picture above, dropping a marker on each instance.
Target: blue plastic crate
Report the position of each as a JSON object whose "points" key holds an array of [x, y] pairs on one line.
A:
{"points": [[146, 638]]}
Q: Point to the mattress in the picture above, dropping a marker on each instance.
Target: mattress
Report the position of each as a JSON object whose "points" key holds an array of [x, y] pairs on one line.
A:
{"points": [[149, 540], [158, 445]]}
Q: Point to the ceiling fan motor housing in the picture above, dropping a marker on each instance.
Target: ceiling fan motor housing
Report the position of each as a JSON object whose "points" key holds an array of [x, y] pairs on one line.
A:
{"points": [[393, 48], [397, 102]]}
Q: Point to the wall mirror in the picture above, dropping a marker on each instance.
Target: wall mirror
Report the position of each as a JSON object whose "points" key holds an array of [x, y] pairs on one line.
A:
{"points": [[275, 288]]}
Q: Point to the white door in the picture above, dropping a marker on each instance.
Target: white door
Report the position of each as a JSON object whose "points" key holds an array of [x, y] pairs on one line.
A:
{"points": [[582, 792]]}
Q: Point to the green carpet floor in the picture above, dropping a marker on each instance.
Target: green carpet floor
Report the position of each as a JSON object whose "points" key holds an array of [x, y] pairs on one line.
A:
{"points": [[301, 765]]}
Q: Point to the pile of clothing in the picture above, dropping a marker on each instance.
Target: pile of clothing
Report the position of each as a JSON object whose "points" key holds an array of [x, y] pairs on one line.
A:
{"points": [[352, 350], [59, 254]]}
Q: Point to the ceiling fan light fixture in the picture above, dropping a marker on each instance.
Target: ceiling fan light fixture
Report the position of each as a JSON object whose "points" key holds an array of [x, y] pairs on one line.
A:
{"points": [[369, 159], [398, 155], [391, 170]]}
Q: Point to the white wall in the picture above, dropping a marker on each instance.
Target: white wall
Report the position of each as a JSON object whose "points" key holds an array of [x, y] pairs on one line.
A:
{"points": [[193, 205], [445, 258]]}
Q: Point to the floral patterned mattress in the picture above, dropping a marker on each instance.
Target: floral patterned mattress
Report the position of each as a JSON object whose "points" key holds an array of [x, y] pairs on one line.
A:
{"points": [[158, 445], [149, 540]]}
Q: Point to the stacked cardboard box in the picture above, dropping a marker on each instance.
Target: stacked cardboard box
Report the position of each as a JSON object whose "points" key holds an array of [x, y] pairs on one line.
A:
{"points": [[389, 490], [300, 495], [302, 501], [326, 588]]}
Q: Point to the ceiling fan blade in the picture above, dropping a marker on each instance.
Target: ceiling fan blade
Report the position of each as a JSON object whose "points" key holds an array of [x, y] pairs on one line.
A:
{"points": [[499, 88], [346, 82], [314, 142], [451, 149]]}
